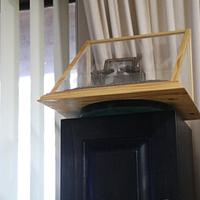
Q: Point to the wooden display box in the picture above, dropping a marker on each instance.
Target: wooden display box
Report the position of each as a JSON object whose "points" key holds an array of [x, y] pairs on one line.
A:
{"points": [[165, 60]]}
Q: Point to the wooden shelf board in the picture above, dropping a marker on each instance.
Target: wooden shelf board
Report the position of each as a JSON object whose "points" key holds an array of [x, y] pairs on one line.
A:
{"points": [[69, 102]]}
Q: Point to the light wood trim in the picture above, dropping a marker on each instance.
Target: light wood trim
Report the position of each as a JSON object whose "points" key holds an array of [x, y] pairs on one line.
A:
{"points": [[178, 98], [80, 52], [142, 36], [71, 65], [181, 54], [69, 103], [111, 90]]}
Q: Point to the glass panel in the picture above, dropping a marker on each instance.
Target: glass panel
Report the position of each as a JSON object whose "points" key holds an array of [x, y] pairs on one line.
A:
{"points": [[125, 62], [78, 76], [186, 72]]}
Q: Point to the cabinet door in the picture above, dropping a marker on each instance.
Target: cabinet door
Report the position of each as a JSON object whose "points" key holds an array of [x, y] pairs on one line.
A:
{"points": [[130, 157], [115, 169]]}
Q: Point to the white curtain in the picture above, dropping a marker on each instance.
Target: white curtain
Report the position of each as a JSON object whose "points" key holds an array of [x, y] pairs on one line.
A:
{"points": [[9, 51], [37, 88], [61, 59], [144, 16]]}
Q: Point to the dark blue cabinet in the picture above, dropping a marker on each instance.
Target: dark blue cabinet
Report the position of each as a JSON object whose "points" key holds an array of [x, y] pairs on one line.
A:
{"points": [[141, 156]]}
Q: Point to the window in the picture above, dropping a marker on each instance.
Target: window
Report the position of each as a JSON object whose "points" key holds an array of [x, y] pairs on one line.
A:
{"points": [[24, 137]]}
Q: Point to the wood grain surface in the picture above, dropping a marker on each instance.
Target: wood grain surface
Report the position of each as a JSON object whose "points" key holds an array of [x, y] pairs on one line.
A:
{"points": [[69, 102]]}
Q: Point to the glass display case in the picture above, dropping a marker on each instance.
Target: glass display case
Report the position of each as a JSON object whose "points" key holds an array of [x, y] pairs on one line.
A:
{"points": [[155, 66]]}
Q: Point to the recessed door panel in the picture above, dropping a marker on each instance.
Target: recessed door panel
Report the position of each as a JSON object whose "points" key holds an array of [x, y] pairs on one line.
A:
{"points": [[115, 170]]}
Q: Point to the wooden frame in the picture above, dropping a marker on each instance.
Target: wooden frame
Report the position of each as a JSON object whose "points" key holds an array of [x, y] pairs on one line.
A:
{"points": [[181, 54], [70, 102]]}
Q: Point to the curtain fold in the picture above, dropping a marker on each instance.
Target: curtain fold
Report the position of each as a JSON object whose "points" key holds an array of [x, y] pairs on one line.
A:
{"points": [[179, 14], [127, 24], [114, 18], [171, 26], [154, 16], [96, 31], [37, 89], [61, 59], [116, 27], [144, 25], [102, 8], [9, 66], [95, 25], [195, 25], [83, 26]]}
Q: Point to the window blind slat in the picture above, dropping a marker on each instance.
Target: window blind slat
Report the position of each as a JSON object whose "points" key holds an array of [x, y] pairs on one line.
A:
{"points": [[9, 54], [37, 85], [61, 59]]}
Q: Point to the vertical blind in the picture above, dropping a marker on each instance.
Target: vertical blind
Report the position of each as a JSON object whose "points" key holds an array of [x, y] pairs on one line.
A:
{"points": [[37, 88], [9, 62], [61, 58]]}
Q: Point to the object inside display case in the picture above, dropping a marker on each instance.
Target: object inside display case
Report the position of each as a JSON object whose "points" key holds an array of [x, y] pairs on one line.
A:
{"points": [[119, 70]]}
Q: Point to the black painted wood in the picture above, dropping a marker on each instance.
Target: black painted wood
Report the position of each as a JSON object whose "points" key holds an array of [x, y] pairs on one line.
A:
{"points": [[144, 156], [25, 4]]}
